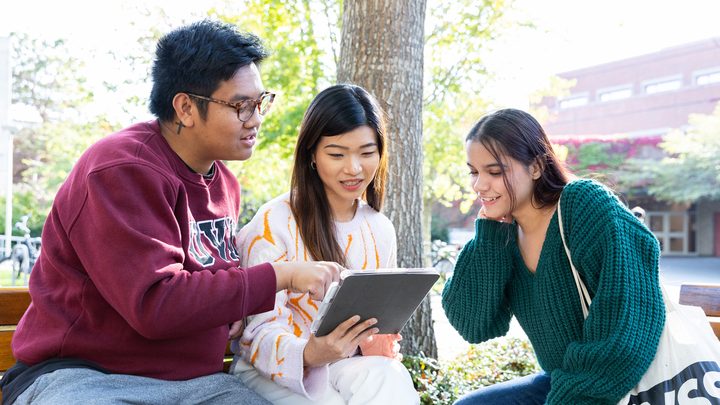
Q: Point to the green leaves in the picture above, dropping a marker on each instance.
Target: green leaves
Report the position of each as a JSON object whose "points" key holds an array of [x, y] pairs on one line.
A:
{"points": [[303, 38], [46, 77], [491, 362], [682, 167], [53, 83], [298, 66], [458, 38], [691, 170]]}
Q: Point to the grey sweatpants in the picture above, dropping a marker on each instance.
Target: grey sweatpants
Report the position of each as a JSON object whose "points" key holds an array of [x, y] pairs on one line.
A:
{"points": [[80, 385]]}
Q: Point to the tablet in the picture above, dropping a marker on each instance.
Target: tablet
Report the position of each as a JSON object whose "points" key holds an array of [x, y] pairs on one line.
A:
{"points": [[389, 295]]}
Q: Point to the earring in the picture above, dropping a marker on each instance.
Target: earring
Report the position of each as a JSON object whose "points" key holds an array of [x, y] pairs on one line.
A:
{"points": [[180, 126], [313, 165]]}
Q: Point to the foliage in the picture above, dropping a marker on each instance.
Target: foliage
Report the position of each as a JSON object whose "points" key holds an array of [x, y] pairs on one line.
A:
{"points": [[49, 78], [45, 77], [484, 364], [134, 83], [457, 41], [63, 141], [456, 44], [556, 87], [680, 167], [6, 275], [296, 71], [439, 229], [303, 62], [46, 152], [24, 203], [584, 154], [610, 159], [52, 85], [691, 169]]}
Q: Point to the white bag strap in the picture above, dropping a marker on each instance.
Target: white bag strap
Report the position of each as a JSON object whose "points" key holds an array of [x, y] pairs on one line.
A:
{"points": [[585, 299]]}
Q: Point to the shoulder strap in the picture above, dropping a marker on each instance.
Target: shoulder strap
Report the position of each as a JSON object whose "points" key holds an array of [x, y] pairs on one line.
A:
{"points": [[585, 300]]}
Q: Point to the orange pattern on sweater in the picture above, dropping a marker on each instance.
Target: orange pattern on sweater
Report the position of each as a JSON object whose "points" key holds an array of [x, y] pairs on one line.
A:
{"points": [[368, 242]]}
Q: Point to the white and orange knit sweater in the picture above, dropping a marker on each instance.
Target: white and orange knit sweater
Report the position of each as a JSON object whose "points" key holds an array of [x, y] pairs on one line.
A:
{"points": [[273, 342]]}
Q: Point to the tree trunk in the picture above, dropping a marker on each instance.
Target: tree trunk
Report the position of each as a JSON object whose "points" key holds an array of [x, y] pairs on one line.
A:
{"points": [[381, 49]]}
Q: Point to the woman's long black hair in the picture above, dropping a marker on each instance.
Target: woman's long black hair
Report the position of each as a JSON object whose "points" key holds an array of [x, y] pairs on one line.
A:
{"points": [[336, 110]]}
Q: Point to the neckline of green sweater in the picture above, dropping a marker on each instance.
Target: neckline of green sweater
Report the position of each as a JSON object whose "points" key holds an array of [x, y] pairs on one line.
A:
{"points": [[551, 234]]}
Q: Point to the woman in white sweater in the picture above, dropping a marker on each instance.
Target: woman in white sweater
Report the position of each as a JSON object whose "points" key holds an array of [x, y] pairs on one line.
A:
{"points": [[331, 213]]}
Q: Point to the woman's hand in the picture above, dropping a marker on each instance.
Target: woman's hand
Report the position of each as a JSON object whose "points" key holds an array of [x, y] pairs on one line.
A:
{"points": [[482, 214], [339, 344], [382, 345]]}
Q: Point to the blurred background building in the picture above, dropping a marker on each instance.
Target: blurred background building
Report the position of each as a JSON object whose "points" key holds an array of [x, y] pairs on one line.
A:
{"points": [[639, 100], [628, 106]]}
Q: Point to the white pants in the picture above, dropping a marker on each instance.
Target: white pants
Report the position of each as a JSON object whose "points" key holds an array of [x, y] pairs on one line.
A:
{"points": [[354, 381]]}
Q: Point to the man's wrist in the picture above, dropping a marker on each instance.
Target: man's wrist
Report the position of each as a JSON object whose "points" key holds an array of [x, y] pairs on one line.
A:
{"points": [[283, 277]]}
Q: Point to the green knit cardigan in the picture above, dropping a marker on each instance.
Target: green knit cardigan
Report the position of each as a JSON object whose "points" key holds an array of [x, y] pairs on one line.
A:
{"points": [[591, 361]]}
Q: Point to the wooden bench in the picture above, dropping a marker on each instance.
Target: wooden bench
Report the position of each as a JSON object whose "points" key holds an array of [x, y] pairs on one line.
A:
{"points": [[705, 296], [13, 303]]}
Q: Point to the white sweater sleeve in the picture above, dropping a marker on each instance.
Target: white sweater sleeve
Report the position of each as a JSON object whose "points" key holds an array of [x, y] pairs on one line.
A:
{"points": [[272, 342], [271, 346], [392, 257]]}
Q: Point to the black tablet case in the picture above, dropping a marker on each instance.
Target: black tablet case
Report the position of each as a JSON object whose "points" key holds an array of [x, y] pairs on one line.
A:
{"points": [[390, 297]]}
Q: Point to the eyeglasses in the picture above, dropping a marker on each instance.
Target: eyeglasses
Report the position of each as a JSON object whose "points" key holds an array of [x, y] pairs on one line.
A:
{"points": [[245, 108]]}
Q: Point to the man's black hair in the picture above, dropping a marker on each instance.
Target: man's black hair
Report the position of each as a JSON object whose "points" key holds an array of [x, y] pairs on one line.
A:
{"points": [[196, 58]]}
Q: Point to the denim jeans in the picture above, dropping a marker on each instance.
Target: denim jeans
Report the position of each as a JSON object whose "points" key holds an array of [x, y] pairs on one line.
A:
{"points": [[528, 390], [86, 386]]}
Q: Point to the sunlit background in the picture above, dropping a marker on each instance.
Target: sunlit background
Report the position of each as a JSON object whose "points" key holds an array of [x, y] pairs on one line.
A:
{"points": [[80, 71]]}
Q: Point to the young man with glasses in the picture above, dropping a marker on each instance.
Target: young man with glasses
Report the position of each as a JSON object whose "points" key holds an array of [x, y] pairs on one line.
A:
{"points": [[138, 280]]}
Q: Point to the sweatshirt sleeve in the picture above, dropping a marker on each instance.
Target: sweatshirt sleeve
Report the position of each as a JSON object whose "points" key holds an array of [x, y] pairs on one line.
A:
{"points": [[139, 268], [272, 342], [474, 298], [617, 257]]}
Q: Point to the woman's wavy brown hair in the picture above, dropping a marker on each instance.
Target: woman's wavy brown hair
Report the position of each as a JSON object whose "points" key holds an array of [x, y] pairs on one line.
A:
{"points": [[515, 133]]}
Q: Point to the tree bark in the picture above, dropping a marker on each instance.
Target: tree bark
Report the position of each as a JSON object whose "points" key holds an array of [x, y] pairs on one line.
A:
{"points": [[381, 49]]}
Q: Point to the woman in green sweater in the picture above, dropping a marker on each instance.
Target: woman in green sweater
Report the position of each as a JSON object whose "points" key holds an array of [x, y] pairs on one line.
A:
{"points": [[516, 266]]}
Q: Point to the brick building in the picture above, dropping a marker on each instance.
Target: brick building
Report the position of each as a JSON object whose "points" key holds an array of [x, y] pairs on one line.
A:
{"points": [[647, 96]]}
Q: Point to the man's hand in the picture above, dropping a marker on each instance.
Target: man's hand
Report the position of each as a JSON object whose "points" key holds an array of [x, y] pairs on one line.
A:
{"points": [[306, 277], [339, 344], [236, 329]]}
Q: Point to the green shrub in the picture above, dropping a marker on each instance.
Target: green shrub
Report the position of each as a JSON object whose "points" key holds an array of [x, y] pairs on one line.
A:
{"points": [[484, 364]]}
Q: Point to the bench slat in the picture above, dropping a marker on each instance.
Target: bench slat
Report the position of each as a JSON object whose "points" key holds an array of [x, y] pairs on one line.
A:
{"points": [[6, 357], [715, 324], [705, 296], [13, 301]]}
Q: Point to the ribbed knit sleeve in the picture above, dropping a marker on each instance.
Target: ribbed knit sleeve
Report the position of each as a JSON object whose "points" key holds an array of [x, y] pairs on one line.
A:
{"points": [[474, 298], [617, 258]]}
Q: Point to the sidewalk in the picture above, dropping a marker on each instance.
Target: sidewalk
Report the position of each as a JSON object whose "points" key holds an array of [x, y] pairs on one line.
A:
{"points": [[674, 271], [450, 343]]}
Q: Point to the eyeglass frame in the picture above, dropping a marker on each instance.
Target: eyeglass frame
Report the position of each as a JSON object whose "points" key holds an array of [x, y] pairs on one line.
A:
{"points": [[237, 106]]}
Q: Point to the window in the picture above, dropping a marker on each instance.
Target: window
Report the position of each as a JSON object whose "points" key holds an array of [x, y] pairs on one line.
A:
{"points": [[707, 78], [661, 86], [617, 94], [674, 230], [575, 101]]}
